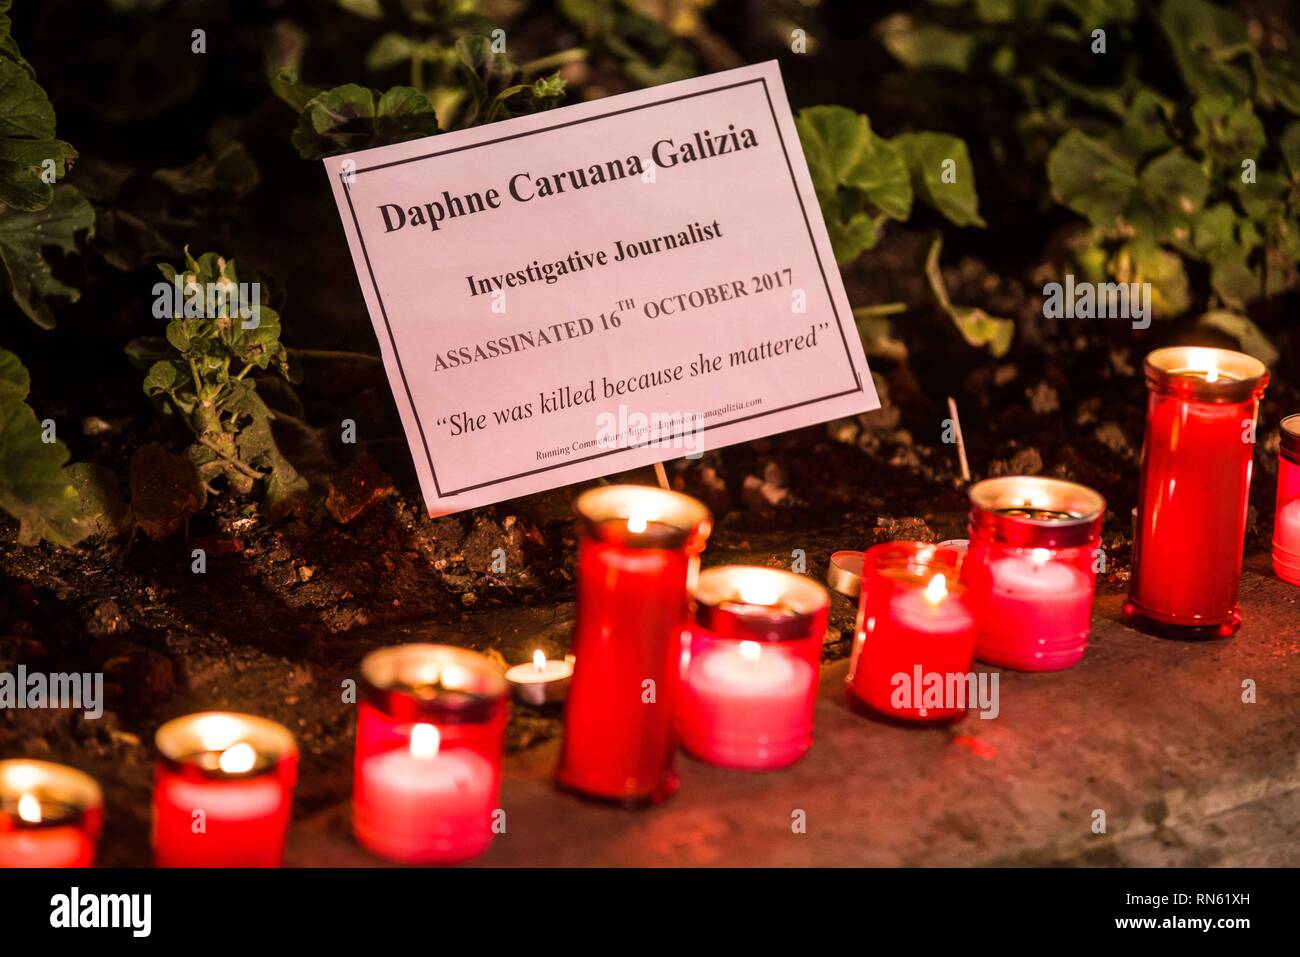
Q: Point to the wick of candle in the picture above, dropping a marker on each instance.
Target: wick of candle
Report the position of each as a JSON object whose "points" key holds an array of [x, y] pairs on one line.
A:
{"points": [[29, 809], [937, 590], [237, 758], [425, 741], [637, 522], [539, 661], [750, 650]]}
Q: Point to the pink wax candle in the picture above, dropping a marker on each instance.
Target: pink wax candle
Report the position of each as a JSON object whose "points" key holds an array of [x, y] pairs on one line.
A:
{"points": [[916, 625], [430, 734], [749, 674], [223, 791], [1031, 569], [49, 815], [436, 805], [1194, 491], [1286, 521]]}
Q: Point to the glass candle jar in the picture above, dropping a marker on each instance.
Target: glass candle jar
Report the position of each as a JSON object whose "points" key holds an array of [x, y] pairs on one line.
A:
{"points": [[1286, 520], [638, 554], [50, 815], [431, 728], [750, 667], [1194, 491], [223, 790], [915, 634], [1034, 544]]}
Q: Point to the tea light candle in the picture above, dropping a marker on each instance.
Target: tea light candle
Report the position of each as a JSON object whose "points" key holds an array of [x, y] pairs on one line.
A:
{"points": [[1286, 521], [1031, 569], [638, 554], [223, 791], [916, 623], [50, 815], [749, 682], [430, 734], [542, 681], [844, 573], [1194, 491]]}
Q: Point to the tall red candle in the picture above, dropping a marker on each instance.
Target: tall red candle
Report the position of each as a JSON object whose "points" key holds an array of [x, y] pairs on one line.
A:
{"points": [[638, 549], [750, 670], [1031, 566], [916, 631], [1286, 520], [223, 789], [50, 815], [430, 734], [1194, 492]]}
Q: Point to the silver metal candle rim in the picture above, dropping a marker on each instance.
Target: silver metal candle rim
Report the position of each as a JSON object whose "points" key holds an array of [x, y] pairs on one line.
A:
{"points": [[179, 740], [1289, 429], [1174, 370], [51, 783], [997, 504], [719, 606]]}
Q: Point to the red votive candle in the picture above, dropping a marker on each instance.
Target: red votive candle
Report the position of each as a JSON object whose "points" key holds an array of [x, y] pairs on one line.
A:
{"points": [[430, 733], [1031, 569], [1194, 491], [750, 667], [638, 550], [916, 631], [50, 815], [223, 790], [1286, 521]]}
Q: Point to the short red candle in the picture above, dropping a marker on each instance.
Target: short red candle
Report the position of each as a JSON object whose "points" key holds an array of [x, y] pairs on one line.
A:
{"points": [[915, 621], [430, 735], [223, 790], [1194, 491], [1031, 569], [638, 547], [1286, 520], [750, 668], [50, 815]]}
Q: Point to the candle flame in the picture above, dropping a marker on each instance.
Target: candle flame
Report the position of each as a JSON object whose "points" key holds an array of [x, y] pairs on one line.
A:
{"points": [[637, 521], [759, 590], [1212, 374], [29, 809], [750, 650], [1039, 556], [937, 590], [238, 758], [539, 660], [425, 741], [217, 731]]}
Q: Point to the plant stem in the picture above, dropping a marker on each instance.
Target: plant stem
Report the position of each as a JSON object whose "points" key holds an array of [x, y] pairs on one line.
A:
{"points": [[554, 60], [240, 466]]}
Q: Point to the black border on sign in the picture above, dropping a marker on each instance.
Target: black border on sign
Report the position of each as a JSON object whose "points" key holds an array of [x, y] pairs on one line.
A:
{"points": [[344, 179]]}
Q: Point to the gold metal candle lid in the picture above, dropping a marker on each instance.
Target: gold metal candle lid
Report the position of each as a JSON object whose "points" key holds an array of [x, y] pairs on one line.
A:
{"points": [[50, 784], [1031, 511], [761, 604], [1206, 374], [643, 516], [433, 682], [1290, 431], [197, 742]]}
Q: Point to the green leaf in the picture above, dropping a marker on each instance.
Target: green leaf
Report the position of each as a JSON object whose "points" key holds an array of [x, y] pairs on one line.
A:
{"points": [[976, 326], [34, 487], [1144, 261], [1092, 179], [1173, 187], [850, 237], [1250, 338], [352, 117], [1198, 32], [25, 110], [1289, 145], [844, 153], [102, 507], [1145, 126], [23, 238], [14, 380], [389, 50], [925, 45], [942, 174], [1228, 131]]}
